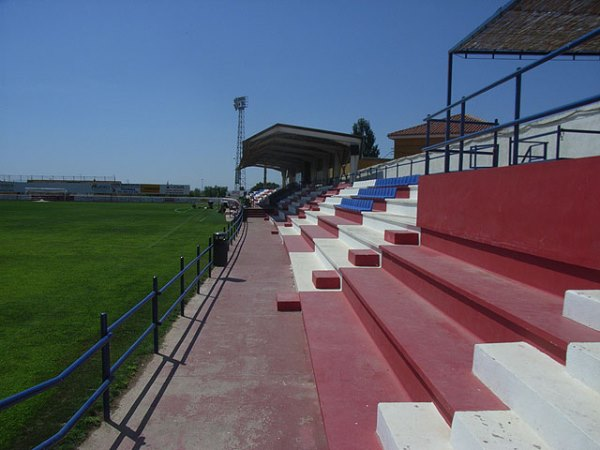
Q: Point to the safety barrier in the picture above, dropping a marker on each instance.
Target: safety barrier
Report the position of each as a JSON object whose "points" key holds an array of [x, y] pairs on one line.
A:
{"points": [[107, 333]]}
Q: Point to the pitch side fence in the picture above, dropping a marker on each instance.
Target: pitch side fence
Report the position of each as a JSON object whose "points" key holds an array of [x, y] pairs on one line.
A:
{"points": [[107, 332]]}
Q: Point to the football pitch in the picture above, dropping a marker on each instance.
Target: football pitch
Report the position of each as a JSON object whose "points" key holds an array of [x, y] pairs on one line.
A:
{"points": [[61, 265]]}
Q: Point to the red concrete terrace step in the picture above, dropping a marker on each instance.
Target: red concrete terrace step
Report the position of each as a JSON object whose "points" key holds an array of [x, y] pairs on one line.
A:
{"points": [[490, 305], [412, 332], [351, 374], [363, 258], [326, 279], [401, 237], [288, 301]]}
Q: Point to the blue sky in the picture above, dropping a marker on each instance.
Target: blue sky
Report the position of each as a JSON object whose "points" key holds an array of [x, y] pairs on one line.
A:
{"points": [[143, 89]]}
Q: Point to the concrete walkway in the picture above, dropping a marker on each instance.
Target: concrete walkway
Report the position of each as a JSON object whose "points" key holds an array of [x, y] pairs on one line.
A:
{"points": [[233, 373]]}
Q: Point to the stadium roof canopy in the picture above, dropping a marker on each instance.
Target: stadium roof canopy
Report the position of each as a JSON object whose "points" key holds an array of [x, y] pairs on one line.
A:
{"points": [[535, 27], [291, 148]]}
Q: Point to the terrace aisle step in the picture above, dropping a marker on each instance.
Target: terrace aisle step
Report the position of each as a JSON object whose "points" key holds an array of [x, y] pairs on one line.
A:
{"points": [[312, 232], [494, 307], [303, 265], [351, 374], [412, 425], [583, 307], [355, 235], [331, 223], [437, 350], [494, 430], [563, 410], [386, 221], [583, 363], [335, 252], [402, 207]]}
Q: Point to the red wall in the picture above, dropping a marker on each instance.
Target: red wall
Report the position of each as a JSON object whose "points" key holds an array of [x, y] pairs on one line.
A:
{"points": [[549, 209]]}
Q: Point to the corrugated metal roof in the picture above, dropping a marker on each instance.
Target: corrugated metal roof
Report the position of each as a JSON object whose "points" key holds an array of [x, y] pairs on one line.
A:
{"points": [[535, 26]]}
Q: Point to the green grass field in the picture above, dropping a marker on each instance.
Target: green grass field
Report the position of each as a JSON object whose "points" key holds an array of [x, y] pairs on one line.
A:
{"points": [[61, 265]]}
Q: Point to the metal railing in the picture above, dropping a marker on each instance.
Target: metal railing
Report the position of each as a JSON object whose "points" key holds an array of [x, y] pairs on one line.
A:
{"points": [[416, 165], [444, 147], [107, 333]]}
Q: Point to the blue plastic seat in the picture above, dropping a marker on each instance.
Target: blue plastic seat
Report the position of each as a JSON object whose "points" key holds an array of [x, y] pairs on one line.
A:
{"points": [[377, 192], [398, 181], [356, 204]]}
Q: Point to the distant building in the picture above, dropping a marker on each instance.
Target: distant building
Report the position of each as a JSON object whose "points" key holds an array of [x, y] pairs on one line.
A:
{"points": [[410, 141]]}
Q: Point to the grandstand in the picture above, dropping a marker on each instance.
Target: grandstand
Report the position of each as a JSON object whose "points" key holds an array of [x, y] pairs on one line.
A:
{"points": [[83, 188], [448, 307]]}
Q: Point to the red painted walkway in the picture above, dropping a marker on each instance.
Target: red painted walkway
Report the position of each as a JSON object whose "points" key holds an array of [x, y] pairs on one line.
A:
{"points": [[234, 373]]}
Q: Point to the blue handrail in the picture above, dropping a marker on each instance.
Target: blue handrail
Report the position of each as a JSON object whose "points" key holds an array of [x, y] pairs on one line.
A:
{"points": [[232, 230], [565, 48], [517, 77]]}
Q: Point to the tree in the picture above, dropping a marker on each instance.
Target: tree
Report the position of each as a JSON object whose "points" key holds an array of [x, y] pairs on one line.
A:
{"points": [[261, 185], [215, 191], [362, 128]]}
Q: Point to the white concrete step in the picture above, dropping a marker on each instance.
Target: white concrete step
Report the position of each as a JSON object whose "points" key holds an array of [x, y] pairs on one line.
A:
{"points": [[356, 235], [387, 221], [583, 363], [335, 252], [348, 192], [313, 216], [564, 411], [333, 200], [297, 223], [364, 183], [402, 206], [408, 425], [414, 192], [303, 264], [583, 307], [288, 231], [493, 430], [327, 207]]}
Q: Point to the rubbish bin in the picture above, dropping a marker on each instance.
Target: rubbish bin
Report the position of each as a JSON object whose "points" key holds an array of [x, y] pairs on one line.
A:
{"points": [[220, 249], [245, 212]]}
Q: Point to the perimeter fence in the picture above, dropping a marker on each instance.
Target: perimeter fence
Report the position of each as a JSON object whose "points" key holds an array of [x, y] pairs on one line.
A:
{"points": [[108, 333]]}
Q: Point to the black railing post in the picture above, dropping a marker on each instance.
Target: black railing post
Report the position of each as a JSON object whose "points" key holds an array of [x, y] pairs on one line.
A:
{"points": [[198, 268], [210, 257], [495, 149], [155, 311], [181, 285], [558, 133], [517, 117], [463, 107], [105, 366]]}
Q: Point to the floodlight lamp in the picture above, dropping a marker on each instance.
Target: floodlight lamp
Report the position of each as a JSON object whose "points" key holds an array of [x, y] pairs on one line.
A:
{"points": [[240, 103]]}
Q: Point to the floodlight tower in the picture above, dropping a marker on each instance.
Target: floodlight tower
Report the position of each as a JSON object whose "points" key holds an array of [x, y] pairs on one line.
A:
{"points": [[240, 103]]}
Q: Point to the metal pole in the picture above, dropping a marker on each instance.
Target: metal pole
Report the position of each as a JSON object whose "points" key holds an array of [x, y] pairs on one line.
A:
{"points": [[210, 257], [558, 133], [198, 268], [461, 150], [517, 117], [181, 285], [448, 114], [105, 366], [155, 311], [495, 149]]}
